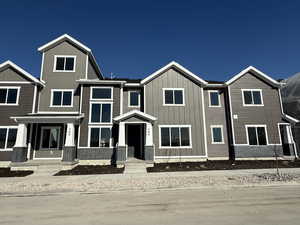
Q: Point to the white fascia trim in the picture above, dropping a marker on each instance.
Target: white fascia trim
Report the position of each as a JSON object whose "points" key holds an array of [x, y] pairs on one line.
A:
{"points": [[46, 117], [135, 112], [56, 112], [179, 67], [290, 118], [234, 78], [62, 37], [93, 81], [26, 74], [34, 99], [132, 85]]}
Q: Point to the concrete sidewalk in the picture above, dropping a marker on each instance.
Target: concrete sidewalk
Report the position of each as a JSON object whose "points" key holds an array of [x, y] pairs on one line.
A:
{"points": [[151, 181]]}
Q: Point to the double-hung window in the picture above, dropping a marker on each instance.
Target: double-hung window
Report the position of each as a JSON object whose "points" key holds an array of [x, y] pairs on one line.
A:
{"points": [[61, 98], [100, 112], [252, 97], [100, 136], [7, 137], [256, 134], [217, 134], [133, 99], [64, 63], [214, 99], [175, 136], [173, 96], [9, 95]]}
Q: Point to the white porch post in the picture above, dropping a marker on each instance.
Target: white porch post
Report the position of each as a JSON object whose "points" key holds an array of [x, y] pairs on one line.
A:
{"points": [[121, 134], [21, 135], [70, 135], [149, 135]]}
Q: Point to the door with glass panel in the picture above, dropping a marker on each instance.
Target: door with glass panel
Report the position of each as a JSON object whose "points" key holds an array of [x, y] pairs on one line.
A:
{"points": [[50, 146]]}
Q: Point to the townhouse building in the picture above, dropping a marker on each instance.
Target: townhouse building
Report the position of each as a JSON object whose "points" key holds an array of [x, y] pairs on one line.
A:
{"points": [[73, 113]]}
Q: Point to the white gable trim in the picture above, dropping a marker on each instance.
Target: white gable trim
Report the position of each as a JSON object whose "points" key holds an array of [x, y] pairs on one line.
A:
{"points": [[49, 44], [133, 113], [261, 74], [26, 74], [179, 67]]}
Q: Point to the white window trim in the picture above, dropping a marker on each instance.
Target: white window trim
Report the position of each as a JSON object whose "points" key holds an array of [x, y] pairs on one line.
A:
{"points": [[101, 126], [261, 97], [256, 125], [139, 99], [212, 134], [18, 95], [219, 99], [58, 140], [175, 147], [100, 102], [64, 56], [61, 106], [101, 99], [174, 89], [7, 127]]}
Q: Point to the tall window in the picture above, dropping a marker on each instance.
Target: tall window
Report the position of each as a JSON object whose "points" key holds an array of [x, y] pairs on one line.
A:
{"points": [[175, 136], [256, 134], [100, 136], [9, 95], [7, 137], [100, 113], [61, 98], [101, 93], [217, 134], [173, 96], [214, 99], [64, 63], [134, 99], [252, 97]]}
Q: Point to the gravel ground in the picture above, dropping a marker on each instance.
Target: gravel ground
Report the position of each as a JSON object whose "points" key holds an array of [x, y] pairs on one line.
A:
{"points": [[121, 182]]}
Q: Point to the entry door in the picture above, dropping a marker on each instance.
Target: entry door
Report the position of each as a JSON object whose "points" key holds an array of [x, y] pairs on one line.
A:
{"points": [[50, 138], [134, 142]]}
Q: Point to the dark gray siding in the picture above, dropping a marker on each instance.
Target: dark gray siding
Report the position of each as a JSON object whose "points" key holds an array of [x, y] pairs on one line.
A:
{"points": [[62, 80], [190, 114], [125, 100], [216, 116], [83, 141], [269, 114], [92, 74], [9, 74]]}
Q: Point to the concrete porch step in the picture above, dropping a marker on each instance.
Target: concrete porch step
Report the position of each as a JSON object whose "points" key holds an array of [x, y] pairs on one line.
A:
{"points": [[135, 167]]}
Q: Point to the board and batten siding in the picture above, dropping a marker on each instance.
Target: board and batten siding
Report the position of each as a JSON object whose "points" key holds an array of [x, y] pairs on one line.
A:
{"points": [[61, 80], [190, 114], [216, 116], [269, 114]]}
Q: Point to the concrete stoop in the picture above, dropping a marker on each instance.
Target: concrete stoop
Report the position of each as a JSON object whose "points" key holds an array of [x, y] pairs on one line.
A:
{"points": [[135, 167]]}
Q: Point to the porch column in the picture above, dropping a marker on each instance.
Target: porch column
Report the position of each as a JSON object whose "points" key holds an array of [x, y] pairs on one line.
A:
{"points": [[149, 146], [19, 153], [121, 149], [69, 149]]}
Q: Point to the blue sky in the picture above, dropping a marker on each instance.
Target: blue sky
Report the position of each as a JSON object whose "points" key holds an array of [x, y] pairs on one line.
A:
{"points": [[213, 39]]}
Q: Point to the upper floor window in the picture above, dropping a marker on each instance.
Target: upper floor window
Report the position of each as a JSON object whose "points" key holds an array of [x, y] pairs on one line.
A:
{"points": [[175, 136], [133, 99], [217, 134], [9, 95], [173, 96], [101, 112], [64, 63], [256, 134], [214, 99], [7, 137], [61, 98], [101, 93], [252, 97]]}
